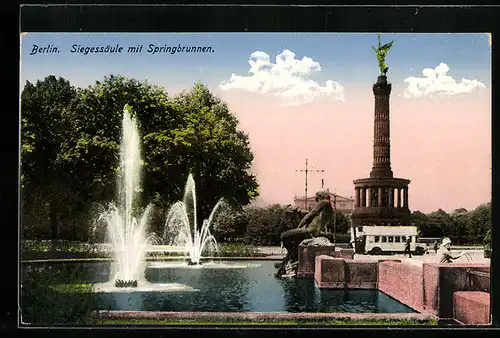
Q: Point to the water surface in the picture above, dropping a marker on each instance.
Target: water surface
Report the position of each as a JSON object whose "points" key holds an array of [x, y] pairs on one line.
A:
{"points": [[226, 287]]}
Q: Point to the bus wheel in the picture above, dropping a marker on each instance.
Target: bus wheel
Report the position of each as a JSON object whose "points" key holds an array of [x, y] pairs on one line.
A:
{"points": [[376, 251], [419, 251]]}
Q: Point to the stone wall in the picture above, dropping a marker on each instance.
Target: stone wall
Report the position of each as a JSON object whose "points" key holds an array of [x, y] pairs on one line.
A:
{"points": [[433, 289], [402, 282], [340, 273], [441, 281], [471, 307]]}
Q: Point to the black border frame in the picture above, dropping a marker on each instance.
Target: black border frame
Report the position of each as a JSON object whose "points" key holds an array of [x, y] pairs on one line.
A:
{"points": [[231, 17]]}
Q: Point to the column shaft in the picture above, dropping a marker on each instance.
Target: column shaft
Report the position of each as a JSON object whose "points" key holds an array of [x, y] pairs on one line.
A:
{"points": [[405, 201]]}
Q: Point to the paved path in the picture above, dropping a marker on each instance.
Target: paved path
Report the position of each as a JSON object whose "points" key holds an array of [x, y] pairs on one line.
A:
{"points": [[477, 255]]}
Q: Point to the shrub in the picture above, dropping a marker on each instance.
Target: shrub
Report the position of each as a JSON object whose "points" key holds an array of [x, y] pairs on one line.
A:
{"points": [[239, 250]]}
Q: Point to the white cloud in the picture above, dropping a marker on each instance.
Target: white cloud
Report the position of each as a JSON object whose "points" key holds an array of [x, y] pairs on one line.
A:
{"points": [[436, 81], [288, 78]]}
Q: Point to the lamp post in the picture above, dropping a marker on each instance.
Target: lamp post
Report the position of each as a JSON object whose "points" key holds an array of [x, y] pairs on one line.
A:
{"points": [[306, 170]]}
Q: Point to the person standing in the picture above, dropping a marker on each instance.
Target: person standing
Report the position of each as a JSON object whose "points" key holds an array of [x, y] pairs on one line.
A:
{"points": [[407, 247], [436, 245]]}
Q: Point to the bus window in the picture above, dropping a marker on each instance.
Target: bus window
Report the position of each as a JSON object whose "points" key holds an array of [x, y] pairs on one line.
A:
{"points": [[384, 239], [403, 238], [390, 238], [397, 239], [377, 239], [360, 229]]}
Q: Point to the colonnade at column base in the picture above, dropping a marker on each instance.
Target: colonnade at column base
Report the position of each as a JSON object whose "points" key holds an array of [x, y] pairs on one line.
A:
{"points": [[381, 201]]}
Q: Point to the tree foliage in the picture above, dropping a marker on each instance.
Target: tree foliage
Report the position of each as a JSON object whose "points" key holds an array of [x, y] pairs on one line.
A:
{"points": [[70, 142], [45, 107], [464, 227], [265, 224]]}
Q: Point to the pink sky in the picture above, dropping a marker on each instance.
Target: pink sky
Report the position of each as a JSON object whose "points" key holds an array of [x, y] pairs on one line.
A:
{"points": [[442, 145]]}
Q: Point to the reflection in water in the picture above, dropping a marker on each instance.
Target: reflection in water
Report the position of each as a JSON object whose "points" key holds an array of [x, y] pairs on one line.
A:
{"points": [[220, 289], [239, 288], [300, 295]]}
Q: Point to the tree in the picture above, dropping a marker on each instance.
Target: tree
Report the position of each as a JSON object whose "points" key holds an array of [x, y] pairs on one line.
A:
{"points": [[92, 151], [202, 137], [265, 224], [487, 237], [341, 223], [441, 219], [459, 219], [427, 225], [44, 110], [230, 225], [71, 141], [479, 220]]}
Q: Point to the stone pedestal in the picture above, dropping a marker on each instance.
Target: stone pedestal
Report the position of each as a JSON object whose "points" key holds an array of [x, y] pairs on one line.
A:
{"points": [[307, 258], [309, 249]]}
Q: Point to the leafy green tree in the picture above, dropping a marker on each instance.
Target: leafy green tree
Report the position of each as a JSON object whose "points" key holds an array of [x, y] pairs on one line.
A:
{"points": [[479, 220], [44, 110], [341, 223], [487, 237], [265, 224], [230, 225], [440, 219], [427, 226], [201, 138], [70, 143], [92, 151], [459, 220]]}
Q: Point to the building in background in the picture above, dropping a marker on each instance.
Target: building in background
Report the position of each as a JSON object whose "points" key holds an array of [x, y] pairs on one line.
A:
{"points": [[344, 205]]}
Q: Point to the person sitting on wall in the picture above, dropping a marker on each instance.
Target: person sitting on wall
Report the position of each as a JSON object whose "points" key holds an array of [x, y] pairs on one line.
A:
{"points": [[312, 225], [444, 252]]}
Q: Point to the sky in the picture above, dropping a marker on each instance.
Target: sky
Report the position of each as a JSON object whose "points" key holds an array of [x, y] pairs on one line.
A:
{"points": [[310, 96]]}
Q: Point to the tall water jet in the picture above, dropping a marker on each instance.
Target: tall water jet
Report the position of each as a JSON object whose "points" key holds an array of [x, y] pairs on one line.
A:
{"points": [[182, 225], [126, 228]]}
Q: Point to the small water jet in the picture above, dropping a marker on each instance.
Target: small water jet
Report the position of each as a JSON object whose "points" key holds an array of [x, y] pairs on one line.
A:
{"points": [[126, 228], [182, 222]]}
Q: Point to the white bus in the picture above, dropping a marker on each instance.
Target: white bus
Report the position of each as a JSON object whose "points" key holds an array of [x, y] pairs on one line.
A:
{"points": [[389, 239]]}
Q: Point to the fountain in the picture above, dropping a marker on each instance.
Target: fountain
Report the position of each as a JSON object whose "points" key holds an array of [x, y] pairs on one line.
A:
{"points": [[126, 229], [126, 226], [181, 220]]}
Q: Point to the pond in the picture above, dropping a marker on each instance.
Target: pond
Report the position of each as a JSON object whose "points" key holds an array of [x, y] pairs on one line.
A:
{"points": [[248, 286]]}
